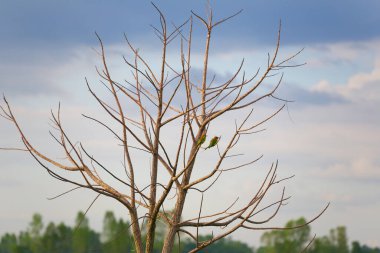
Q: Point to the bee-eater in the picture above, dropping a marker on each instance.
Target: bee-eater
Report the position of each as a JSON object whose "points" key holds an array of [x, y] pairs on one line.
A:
{"points": [[201, 140], [213, 142]]}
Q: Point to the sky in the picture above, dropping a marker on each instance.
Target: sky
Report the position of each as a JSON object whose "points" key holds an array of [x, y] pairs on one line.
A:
{"points": [[329, 137]]}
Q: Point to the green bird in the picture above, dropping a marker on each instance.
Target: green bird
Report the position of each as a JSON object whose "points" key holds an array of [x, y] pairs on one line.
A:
{"points": [[201, 140], [213, 142]]}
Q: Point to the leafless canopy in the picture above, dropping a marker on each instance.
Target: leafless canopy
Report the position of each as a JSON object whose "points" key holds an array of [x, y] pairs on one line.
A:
{"points": [[158, 98]]}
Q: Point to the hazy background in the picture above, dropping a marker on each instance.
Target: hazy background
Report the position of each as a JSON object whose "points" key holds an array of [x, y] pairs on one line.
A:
{"points": [[329, 138]]}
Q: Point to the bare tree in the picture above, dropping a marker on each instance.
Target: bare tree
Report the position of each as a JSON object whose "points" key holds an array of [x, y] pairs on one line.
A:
{"points": [[169, 98]]}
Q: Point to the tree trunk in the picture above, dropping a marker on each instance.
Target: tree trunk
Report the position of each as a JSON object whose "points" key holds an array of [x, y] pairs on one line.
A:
{"points": [[173, 229], [136, 232]]}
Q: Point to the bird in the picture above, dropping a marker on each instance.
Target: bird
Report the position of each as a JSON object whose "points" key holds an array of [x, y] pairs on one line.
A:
{"points": [[201, 140], [213, 142]]}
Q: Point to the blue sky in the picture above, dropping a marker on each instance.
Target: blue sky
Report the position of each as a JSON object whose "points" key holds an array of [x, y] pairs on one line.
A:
{"points": [[330, 138]]}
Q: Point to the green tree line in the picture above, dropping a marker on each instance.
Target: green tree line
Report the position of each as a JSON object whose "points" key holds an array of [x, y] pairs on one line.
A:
{"points": [[116, 238]]}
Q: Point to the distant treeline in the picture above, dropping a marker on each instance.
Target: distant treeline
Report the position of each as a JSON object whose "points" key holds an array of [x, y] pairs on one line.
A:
{"points": [[116, 238]]}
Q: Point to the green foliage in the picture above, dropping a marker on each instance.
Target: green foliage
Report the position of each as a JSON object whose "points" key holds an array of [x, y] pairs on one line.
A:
{"points": [[294, 241], [287, 240], [84, 239], [336, 242], [8, 243], [57, 238], [33, 238], [357, 248], [221, 246], [116, 238], [116, 235], [341, 240]]}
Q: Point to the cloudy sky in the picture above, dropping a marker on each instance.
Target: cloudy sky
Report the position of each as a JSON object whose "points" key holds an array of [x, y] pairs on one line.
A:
{"points": [[329, 137]]}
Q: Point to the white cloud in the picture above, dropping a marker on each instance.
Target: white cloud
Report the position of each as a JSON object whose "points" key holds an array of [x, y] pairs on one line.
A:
{"points": [[337, 53], [362, 85], [357, 168]]}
